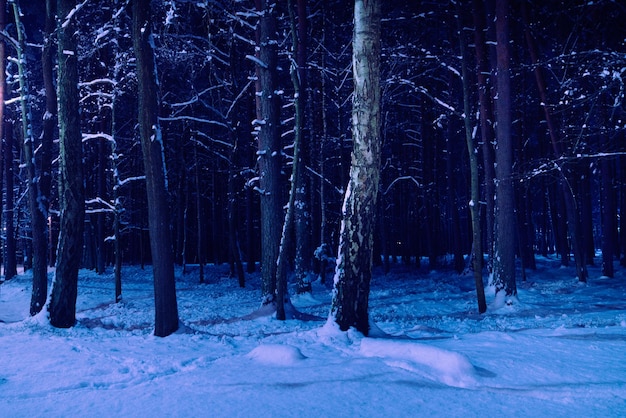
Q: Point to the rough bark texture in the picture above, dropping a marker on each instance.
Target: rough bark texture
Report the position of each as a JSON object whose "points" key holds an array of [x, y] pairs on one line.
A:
{"points": [[354, 263], [302, 214], [62, 307], [269, 147], [504, 255], [166, 309], [37, 213]]}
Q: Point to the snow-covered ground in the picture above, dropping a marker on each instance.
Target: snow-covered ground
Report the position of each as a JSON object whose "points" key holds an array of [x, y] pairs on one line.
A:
{"points": [[560, 352]]}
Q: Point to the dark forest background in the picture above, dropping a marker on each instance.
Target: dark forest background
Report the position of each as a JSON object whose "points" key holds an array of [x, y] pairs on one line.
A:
{"points": [[568, 64]]}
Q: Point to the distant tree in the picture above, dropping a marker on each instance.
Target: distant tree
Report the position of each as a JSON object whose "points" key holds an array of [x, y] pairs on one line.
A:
{"points": [[504, 254], [354, 263], [166, 309], [62, 307]]}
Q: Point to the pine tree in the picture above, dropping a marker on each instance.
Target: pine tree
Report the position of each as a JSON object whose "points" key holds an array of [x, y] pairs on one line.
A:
{"points": [[166, 309], [62, 307]]}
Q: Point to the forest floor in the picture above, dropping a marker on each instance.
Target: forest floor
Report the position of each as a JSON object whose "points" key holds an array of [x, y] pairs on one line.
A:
{"points": [[559, 352]]}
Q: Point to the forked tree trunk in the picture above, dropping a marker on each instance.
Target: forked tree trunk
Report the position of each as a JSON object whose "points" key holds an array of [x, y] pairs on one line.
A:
{"points": [[354, 263], [62, 307], [166, 309]]}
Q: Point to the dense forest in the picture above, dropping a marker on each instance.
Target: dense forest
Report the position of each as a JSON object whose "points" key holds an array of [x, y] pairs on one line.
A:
{"points": [[228, 131]]}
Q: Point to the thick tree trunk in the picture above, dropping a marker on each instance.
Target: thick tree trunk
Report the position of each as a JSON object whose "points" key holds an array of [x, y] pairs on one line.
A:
{"points": [[504, 254], [3, 6], [166, 309], [267, 125], [62, 307], [354, 264]]}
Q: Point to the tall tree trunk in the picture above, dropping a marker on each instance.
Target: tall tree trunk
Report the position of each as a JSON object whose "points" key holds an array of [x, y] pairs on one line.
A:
{"points": [[267, 125], [472, 150], [37, 213], [486, 123], [166, 309], [10, 263], [3, 6], [62, 307], [302, 215], [353, 275], [504, 254]]}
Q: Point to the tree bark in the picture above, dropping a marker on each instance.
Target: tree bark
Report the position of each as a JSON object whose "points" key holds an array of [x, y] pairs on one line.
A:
{"points": [[354, 264], [267, 126], [62, 307], [166, 309], [504, 254], [10, 263], [472, 150]]}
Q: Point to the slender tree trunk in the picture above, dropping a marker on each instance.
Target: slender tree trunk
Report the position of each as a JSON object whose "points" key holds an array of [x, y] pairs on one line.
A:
{"points": [[62, 307], [302, 215], [10, 263], [267, 125], [38, 214], [166, 309], [353, 275], [472, 150], [504, 255], [486, 124], [609, 221]]}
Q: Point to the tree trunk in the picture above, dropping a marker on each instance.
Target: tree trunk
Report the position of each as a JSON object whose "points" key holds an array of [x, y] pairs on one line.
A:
{"points": [[10, 263], [472, 150], [352, 279], [166, 309], [62, 307], [486, 124], [37, 214], [504, 254], [267, 126], [3, 5], [609, 221], [302, 215]]}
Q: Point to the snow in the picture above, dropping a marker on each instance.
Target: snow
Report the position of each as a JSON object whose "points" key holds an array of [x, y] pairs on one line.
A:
{"points": [[559, 352]]}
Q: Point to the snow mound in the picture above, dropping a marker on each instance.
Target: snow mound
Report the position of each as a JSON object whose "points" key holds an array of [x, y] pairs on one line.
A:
{"points": [[448, 367], [276, 354]]}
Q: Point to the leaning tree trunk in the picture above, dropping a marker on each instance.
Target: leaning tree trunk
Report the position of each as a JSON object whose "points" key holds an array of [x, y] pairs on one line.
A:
{"points": [[472, 150], [504, 255], [354, 263], [37, 213], [62, 307], [267, 126], [166, 309]]}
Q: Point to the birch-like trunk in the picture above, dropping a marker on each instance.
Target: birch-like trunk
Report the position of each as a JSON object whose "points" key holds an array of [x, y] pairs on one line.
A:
{"points": [[354, 263]]}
